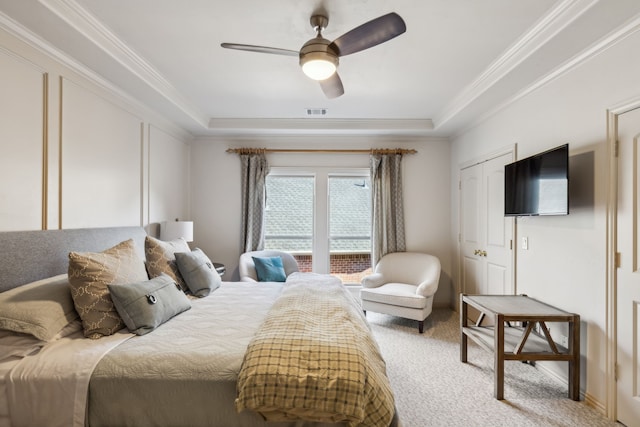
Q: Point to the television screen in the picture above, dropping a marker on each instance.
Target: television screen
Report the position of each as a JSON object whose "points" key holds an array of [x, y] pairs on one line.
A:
{"points": [[538, 185]]}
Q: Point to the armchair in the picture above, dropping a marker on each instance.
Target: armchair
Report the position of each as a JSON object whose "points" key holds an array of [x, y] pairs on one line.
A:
{"points": [[247, 269], [403, 285]]}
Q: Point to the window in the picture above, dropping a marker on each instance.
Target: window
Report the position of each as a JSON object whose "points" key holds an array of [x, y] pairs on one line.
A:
{"points": [[349, 227], [323, 218]]}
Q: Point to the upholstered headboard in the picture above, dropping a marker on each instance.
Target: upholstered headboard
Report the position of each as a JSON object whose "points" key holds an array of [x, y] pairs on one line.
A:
{"points": [[26, 256]]}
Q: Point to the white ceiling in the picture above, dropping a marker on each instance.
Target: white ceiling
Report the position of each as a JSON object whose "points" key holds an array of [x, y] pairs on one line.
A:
{"points": [[458, 60]]}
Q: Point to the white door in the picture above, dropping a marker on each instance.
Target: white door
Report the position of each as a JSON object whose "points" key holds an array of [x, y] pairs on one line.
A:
{"points": [[628, 272], [485, 234], [471, 230]]}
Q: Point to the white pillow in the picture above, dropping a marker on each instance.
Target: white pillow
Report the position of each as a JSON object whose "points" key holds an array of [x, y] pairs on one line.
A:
{"points": [[42, 308]]}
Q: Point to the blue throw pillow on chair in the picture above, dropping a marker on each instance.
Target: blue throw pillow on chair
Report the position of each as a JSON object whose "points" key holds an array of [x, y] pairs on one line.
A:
{"points": [[269, 269]]}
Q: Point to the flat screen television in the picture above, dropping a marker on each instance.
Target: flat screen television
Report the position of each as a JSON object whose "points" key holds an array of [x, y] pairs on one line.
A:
{"points": [[538, 185]]}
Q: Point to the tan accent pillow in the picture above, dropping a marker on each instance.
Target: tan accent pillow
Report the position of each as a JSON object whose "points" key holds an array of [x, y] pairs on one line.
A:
{"points": [[89, 275], [161, 258]]}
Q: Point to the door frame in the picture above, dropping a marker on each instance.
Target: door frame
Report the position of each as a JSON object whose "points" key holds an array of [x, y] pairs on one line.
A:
{"points": [[611, 278], [508, 149]]}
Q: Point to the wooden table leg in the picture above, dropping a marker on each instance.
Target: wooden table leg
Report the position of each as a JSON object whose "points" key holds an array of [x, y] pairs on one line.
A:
{"points": [[498, 350], [463, 324], [574, 363]]}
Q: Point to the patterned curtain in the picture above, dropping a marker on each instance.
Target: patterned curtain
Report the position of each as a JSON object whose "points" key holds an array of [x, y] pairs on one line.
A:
{"points": [[387, 222], [254, 173]]}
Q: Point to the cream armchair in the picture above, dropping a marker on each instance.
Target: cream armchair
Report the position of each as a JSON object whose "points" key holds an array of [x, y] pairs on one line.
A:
{"points": [[247, 269], [403, 285]]}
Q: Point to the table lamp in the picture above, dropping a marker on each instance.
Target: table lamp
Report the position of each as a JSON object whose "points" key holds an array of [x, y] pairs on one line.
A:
{"points": [[171, 230]]}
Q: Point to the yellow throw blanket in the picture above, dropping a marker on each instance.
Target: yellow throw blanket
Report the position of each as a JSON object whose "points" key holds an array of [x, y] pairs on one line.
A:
{"points": [[314, 359]]}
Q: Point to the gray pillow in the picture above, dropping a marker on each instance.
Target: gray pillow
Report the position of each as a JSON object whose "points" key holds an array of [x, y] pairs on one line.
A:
{"points": [[198, 272], [146, 305]]}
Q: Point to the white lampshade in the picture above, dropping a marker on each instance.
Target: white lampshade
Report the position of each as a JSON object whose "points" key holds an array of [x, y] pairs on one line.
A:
{"points": [[171, 230]]}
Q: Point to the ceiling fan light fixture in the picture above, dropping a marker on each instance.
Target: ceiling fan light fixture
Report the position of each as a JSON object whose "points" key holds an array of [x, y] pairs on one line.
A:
{"points": [[318, 68], [318, 62]]}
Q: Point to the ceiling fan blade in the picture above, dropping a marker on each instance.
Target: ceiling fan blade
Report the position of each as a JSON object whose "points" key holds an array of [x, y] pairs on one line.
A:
{"points": [[369, 34], [332, 87], [260, 49]]}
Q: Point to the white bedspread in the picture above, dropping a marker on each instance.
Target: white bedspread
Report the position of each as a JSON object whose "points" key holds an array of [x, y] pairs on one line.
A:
{"points": [[183, 373], [57, 378]]}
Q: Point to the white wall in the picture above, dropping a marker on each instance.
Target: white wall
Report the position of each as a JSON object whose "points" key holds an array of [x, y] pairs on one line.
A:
{"points": [[76, 153], [216, 200], [566, 261]]}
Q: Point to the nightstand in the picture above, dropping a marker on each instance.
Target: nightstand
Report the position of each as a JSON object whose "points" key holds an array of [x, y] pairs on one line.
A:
{"points": [[220, 268]]}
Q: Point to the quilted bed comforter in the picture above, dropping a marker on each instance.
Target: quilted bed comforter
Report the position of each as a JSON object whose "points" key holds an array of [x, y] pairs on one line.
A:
{"points": [[314, 358]]}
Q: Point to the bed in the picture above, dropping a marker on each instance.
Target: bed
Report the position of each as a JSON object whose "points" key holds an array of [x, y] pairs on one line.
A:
{"points": [[249, 354]]}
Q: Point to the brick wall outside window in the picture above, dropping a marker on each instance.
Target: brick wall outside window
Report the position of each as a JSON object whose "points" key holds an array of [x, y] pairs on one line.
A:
{"points": [[304, 262], [351, 268]]}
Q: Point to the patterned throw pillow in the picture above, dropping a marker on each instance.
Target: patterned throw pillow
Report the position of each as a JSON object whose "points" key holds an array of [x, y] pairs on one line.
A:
{"points": [[161, 258], [89, 275]]}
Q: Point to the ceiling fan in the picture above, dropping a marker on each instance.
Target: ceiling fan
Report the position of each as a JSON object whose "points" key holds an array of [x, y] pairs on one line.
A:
{"points": [[319, 56]]}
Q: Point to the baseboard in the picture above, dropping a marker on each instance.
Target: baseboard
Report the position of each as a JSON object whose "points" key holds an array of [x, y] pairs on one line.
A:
{"points": [[584, 396], [594, 403]]}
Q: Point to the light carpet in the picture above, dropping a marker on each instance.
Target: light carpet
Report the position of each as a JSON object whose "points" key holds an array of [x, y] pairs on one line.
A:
{"points": [[433, 388]]}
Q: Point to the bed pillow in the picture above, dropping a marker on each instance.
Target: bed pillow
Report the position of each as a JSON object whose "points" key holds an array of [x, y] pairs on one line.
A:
{"points": [[89, 275], [269, 269], [161, 259], [198, 272], [146, 305], [41, 309]]}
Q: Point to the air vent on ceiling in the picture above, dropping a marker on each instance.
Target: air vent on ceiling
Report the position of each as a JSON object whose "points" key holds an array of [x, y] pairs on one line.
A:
{"points": [[316, 111]]}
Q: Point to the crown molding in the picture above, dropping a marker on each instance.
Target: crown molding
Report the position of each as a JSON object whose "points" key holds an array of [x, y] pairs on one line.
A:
{"points": [[309, 126], [93, 30], [557, 18], [616, 36], [21, 33]]}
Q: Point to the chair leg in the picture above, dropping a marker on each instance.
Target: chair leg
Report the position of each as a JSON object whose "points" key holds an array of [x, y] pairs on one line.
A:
{"points": [[364, 312], [421, 326]]}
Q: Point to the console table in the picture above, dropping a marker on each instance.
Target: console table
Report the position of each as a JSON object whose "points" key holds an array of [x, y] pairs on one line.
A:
{"points": [[522, 342]]}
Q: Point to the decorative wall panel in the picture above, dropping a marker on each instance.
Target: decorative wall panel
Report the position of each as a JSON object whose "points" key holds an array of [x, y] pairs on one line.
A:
{"points": [[101, 161], [168, 177], [22, 144]]}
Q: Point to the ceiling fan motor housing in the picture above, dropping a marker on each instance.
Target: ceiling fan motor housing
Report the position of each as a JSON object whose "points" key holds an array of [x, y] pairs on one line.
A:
{"points": [[318, 48]]}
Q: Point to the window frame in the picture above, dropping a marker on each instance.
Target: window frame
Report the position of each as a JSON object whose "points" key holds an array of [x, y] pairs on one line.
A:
{"points": [[320, 174]]}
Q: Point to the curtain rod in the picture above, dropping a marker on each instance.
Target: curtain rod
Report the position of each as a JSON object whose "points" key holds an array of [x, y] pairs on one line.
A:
{"points": [[302, 150]]}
